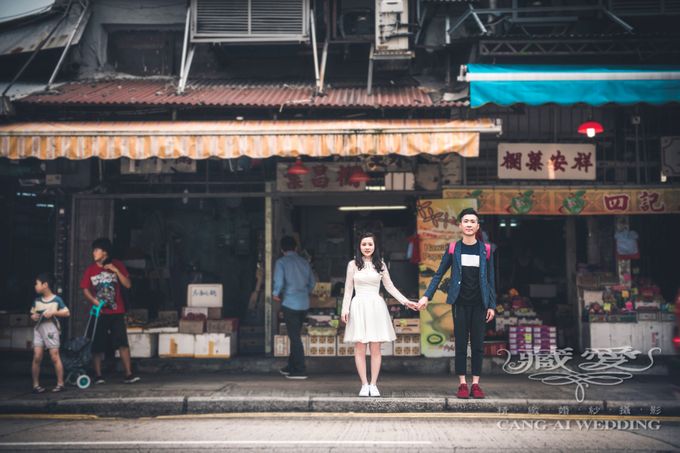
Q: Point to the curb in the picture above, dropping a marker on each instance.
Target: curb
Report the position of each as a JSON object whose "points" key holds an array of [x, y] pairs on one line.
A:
{"points": [[179, 405]]}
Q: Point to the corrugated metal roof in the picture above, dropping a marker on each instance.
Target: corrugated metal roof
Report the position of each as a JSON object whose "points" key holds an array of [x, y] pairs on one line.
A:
{"points": [[225, 94]]}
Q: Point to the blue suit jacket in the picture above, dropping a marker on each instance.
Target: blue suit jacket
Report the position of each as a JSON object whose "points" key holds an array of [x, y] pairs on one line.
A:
{"points": [[486, 276]]}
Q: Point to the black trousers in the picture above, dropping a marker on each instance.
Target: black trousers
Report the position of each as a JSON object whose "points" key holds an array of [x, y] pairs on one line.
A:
{"points": [[469, 322], [294, 320]]}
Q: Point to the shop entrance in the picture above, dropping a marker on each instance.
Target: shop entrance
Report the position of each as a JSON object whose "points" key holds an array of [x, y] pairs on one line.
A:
{"points": [[532, 273]]}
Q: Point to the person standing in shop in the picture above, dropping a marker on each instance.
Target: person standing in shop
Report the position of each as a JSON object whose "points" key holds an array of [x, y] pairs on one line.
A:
{"points": [[293, 284], [366, 315], [472, 294]]}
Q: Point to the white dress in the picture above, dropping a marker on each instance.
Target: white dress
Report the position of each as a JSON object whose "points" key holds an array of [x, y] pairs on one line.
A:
{"points": [[369, 319]]}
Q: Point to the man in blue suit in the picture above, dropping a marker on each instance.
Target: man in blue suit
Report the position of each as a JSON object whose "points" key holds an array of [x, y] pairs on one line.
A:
{"points": [[472, 294]]}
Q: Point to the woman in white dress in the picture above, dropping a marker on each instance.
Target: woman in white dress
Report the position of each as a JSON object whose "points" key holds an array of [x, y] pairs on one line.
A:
{"points": [[366, 315]]}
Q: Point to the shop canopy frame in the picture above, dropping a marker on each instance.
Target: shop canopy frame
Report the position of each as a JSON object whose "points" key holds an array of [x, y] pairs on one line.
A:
{"points": [[506, 85], [232, 139]]}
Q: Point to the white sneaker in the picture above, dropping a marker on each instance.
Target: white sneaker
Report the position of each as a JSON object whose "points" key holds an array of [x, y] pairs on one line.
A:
{"points": [[373, 390], [364, 390]]}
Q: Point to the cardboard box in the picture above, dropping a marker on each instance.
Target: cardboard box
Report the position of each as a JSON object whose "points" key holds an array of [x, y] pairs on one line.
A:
{"points": [[322, 289], [408, 340], [194, 311], [322, 346], [386, 348], [322, 331], [138, 314], [191, 326], [175, 345], [407, 325], [22, 338], [407, 345], [20, 320], [142, 345], [214, 346], [322, 302], [169, 316], [227, 325], [162, 330], [281, 346], [204, 295], [214, 312], [344, 349], [407, 351]]}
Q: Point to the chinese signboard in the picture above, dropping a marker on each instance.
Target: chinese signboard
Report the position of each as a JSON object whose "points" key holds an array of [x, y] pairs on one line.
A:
{"points": [[325, 176], [670, 156], [553, 161], [571, 200]]}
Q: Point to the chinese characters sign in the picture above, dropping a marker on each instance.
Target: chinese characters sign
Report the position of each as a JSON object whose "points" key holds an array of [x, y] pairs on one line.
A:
{"points": [[571, 200], [322, 176], [552, 161]]}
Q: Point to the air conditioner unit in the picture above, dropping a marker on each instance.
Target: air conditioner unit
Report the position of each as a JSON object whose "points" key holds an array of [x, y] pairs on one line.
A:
{"points": [[247, 21], [391, 26]]}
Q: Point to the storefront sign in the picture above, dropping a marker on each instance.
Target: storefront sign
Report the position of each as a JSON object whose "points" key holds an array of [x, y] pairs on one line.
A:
{"points": [[552, 161], [437, 218], [322, 176], [571, 200], [670, 156]]}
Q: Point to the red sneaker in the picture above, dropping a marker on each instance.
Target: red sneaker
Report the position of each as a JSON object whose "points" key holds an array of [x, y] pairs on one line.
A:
{"points": [[477, 391], [463, 392]]}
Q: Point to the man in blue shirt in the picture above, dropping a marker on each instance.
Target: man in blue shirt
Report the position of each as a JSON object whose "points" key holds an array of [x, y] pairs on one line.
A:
{"points": [[293, 283]]}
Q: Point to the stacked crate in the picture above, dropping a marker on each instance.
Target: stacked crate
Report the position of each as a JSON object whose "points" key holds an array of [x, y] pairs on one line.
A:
{"points": [[545, 339]]}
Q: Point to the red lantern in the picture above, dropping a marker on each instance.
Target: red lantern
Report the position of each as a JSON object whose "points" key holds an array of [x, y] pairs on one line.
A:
{"points": [[590, 128], [358, 176], [297, 168]]}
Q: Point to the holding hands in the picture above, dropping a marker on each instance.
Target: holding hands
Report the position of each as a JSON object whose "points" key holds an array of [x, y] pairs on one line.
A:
{"points": [[422, 303]]}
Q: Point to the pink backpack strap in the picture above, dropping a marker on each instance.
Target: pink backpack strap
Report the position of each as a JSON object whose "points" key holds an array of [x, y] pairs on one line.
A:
{"points": [[452, 248]]}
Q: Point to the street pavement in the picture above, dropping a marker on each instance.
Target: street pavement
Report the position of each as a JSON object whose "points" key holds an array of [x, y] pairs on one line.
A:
{"points": [[333, 432], [216, 392]]}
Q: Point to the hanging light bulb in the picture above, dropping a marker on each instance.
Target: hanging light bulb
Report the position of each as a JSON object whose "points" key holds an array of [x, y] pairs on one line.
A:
{"points": [[590, 128], [298, 168]]}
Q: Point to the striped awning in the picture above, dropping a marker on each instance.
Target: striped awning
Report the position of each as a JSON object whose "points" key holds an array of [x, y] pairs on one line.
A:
{"points": [[230, 139]]}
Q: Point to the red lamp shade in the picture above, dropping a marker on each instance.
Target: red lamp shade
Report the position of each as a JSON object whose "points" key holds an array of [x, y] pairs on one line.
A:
{"points": [[358, 176], [297, 168], [590, 128]]}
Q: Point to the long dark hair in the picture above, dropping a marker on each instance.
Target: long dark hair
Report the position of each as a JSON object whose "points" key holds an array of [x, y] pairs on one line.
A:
{"points": [[376, 258]]}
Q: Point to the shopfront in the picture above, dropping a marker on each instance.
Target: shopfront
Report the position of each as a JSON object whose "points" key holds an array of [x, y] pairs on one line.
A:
{"points": [[210, 234]]}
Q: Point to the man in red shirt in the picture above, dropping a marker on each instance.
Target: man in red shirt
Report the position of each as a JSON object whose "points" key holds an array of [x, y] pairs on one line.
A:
{"points": [[101, 285]]}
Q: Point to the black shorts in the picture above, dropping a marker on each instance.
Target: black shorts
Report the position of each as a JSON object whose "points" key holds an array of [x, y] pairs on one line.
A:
{"points": [[111, 333]]}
